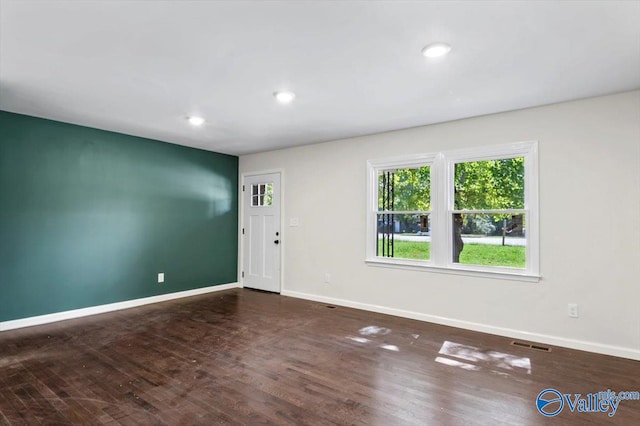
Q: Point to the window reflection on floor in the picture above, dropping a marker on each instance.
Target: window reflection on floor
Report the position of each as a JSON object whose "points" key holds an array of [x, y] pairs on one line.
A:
{"points": [[358, 339], [374, 331], [479, 359], [388, 347], [463, 365]]}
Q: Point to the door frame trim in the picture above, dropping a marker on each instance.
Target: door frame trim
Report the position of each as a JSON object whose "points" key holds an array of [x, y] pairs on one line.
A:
{"points": [[283, 240]]}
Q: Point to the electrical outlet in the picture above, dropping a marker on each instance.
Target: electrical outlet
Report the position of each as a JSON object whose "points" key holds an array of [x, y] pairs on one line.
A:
{"points": [[327, 278], [160, 277], [294, 221], [572, 310]]}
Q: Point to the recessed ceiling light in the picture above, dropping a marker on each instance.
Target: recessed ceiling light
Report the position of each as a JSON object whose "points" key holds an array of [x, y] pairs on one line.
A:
{"points": [[284, 97], [436, 50], [195, 121]]}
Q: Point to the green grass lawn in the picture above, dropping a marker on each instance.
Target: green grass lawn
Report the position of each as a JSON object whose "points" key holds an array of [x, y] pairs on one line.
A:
{"points": [[411, 250], [472, 254], [485, 254]]}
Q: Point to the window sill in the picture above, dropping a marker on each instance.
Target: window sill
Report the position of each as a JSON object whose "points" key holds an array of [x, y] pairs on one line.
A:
{"points": [[504, 274]]}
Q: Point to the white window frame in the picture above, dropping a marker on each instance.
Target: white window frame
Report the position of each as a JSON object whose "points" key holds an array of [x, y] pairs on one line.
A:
{"points": [[442, 167]]}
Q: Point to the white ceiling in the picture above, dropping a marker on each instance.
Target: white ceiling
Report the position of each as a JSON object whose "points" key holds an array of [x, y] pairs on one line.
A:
{"points": [[141, 67]]}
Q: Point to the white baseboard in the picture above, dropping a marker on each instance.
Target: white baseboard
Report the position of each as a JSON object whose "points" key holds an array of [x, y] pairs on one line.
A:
{"points": [[100, 309], [600, 348]]}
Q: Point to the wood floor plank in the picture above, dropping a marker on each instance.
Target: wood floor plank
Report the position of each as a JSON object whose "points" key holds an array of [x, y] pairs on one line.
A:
{"points": [[241, 357]]}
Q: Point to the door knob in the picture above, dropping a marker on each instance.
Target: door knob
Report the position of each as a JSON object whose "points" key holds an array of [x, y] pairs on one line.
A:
{"points": [[276, 242]]}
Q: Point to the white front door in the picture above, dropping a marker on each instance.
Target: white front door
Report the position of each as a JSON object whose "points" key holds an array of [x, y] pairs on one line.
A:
{"points": [[261, 232]]}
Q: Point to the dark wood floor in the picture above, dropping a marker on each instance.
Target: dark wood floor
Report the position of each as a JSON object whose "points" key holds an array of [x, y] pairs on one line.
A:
{"points": [[246, 357]]}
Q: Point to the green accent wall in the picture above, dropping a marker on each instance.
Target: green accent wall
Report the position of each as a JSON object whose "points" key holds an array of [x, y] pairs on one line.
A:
{"points": [[89, 217]]}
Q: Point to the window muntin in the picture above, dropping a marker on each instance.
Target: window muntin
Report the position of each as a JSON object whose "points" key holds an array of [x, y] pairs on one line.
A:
{"points": [[261, 195], [506, 214]]}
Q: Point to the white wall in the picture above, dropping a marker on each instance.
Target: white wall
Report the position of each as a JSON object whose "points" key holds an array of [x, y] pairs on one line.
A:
{"points": [[589, 222]]}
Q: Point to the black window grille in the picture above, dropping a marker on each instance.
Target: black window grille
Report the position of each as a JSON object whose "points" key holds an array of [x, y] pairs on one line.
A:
{"points": [[384, 247]]}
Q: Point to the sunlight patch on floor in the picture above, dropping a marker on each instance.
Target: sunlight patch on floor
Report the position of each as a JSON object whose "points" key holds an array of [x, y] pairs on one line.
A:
{"points": [[490, 359]]}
